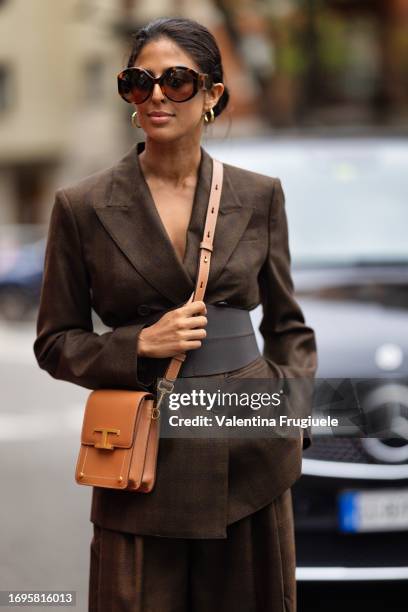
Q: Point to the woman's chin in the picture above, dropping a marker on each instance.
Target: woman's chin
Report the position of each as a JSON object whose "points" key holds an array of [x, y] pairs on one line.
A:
{"points": [[163, 134]]}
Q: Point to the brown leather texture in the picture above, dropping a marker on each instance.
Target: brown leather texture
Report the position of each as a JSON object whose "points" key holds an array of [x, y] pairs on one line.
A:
{"points": [[117, 432], [108, 251]]}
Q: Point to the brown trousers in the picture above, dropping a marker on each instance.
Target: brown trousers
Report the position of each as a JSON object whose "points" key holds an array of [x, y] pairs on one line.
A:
{"points": [[251, 570]]}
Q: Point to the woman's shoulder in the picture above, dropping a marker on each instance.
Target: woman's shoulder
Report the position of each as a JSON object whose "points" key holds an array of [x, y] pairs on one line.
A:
{"points": [[95, 185], [247, 178], [251, 186], [82, 196], [249, 175]]}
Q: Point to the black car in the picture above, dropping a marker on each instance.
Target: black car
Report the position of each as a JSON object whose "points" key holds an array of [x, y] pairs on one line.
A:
{"points": [[346, 201]]}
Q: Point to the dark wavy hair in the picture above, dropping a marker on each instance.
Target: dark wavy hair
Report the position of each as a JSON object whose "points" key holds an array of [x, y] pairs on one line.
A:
{"points": [[194, 39]]}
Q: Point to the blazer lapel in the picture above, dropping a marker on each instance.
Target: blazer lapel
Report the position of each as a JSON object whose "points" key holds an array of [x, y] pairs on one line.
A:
{"points": [[133, 222]]}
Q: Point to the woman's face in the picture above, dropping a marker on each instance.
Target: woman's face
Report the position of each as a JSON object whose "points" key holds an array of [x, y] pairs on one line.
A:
{"points": [[186, 118]]}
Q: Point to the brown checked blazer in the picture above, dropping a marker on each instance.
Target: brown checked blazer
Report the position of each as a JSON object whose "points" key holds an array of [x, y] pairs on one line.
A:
{"points": [[107, 249]]}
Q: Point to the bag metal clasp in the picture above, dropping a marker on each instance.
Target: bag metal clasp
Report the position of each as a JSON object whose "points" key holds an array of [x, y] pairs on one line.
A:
{"points": [[164, 386], [105, 431]]}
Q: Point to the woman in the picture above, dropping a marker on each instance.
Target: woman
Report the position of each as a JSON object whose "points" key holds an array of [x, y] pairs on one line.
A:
{"points": [[216, 532]]}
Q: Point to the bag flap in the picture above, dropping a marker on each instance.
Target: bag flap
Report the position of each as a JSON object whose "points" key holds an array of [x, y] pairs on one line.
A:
{"points": [[110, 417]]}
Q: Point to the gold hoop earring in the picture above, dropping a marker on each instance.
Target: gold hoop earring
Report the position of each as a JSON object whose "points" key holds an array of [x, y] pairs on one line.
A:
{"points": [[133, 120], [212, 116]]}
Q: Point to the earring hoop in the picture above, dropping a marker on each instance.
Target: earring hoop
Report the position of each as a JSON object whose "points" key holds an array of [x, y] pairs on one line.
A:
{"points": [[212, 116], [133, 120]]}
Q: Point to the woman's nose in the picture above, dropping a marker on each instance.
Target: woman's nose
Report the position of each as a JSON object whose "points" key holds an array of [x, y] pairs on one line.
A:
{"points": [[157, 92]]}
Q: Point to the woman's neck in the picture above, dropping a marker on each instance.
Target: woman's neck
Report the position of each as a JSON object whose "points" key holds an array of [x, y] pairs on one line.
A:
{"points": [[171, 162]]}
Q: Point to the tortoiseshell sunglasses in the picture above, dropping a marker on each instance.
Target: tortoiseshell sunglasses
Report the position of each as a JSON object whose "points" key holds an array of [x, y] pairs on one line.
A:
{"points": [[177, 83]]}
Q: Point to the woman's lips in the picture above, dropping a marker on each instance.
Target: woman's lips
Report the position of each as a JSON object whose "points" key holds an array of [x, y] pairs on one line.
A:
{"points": [[160, 119]]}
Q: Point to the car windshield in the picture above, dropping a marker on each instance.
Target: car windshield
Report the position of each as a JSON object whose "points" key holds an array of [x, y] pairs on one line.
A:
{"points": [[346, 200]]}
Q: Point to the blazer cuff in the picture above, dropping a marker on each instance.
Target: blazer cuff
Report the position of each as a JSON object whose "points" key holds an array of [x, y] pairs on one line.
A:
{"points": [[145, 366], [306, 432]]}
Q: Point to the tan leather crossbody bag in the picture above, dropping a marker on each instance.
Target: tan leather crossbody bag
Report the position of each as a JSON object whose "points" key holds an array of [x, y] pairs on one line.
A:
{"points": [[121, 428]]}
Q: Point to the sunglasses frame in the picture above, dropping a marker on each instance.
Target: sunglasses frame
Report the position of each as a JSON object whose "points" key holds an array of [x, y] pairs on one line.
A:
{"points": [[201, 80]]}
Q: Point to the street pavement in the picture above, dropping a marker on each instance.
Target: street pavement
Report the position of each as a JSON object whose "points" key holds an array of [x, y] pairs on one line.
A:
{"points": [[44, 515]]}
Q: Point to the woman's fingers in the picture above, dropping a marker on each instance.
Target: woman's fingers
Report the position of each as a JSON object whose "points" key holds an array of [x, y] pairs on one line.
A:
{"points": [[193, 334], [195, 322], [176, 331], [193, 308]]}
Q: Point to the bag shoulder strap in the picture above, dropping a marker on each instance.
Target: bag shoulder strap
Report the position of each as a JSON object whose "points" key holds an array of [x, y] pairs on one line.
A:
{"points": [[166, 384]]}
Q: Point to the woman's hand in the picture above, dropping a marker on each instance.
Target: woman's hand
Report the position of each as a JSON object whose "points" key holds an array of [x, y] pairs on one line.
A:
{"points": [[177, 331]]}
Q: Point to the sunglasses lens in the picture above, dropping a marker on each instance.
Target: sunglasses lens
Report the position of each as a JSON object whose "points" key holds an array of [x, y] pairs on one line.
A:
{"points": [[134, 86], [179, 85]]}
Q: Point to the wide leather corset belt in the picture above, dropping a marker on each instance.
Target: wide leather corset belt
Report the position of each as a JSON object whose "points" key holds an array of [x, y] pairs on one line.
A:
{"points": [[230, 343]]}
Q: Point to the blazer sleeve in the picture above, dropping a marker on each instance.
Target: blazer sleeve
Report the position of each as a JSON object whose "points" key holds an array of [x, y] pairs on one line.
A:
{"points": [[66, 345], [289, 344]]}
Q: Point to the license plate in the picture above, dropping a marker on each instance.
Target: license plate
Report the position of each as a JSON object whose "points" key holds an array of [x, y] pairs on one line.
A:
{"points": [[377, 510]]}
